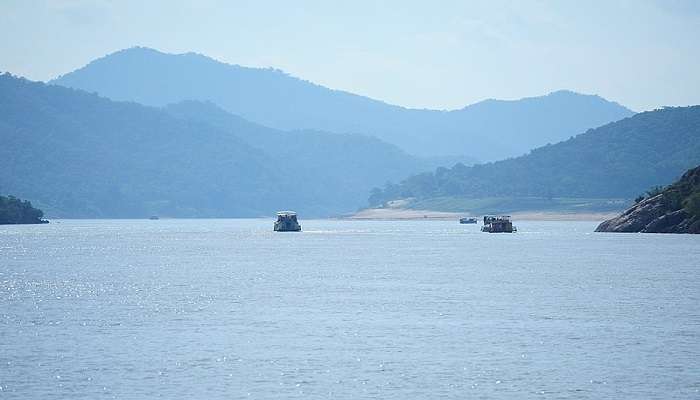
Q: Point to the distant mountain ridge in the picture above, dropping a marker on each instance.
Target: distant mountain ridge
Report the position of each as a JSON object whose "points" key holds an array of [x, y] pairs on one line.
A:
{"points": [[489, 130], [617, 160], [76, 154]]}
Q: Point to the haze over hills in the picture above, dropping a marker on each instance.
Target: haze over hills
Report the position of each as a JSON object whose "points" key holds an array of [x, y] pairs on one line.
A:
{"points": [[178, 148], [489, 130], [76, 154], [335, 168], [618, 160]]}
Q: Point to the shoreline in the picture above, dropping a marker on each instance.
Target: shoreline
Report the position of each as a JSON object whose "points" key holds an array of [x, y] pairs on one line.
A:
{"points": [[398, 214]]}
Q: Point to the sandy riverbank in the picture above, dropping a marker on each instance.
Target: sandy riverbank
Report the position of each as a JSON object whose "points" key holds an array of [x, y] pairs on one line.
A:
{"points": [[408, 214]]}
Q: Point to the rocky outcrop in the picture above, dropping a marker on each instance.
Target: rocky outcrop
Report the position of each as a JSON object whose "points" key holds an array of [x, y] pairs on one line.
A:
{"points": [[671, 211]]}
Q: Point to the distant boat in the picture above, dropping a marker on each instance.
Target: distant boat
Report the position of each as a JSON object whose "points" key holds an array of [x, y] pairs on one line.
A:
{"points": [[467, 220], [287, 222], [153, 217], [500, 224]]}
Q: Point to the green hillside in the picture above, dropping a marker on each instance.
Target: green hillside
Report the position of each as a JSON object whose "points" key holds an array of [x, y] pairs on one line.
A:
{"points": [[618, 160]]}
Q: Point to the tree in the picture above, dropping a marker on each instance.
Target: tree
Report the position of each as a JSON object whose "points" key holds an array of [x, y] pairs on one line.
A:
{"points": [[692, 204]]}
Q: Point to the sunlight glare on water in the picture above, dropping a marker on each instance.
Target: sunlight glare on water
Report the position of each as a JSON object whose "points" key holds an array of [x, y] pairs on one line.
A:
{"points": [[346, 309]]}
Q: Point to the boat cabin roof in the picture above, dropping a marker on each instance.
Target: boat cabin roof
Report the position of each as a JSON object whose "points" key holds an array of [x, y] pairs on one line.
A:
{"points": [[286, 213], [498, 217]]}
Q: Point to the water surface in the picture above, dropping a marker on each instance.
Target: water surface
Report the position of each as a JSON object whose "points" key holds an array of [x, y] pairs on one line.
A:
{"points": [[215, 309]]}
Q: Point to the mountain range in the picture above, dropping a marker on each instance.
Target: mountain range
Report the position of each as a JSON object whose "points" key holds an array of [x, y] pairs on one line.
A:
{"points": [[140, 132], [486, 131], [76, 154]]}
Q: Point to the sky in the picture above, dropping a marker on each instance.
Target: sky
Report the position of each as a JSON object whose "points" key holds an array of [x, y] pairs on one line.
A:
{"points": [[445, 54]]}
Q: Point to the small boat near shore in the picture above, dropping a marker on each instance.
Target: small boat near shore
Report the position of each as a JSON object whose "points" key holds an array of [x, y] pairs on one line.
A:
{"points": [[468, 220]]}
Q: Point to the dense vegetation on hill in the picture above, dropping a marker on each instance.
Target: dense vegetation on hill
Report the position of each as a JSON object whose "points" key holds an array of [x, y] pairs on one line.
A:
{"points": [[81, 155], [16, 211], [488, 130], [674, 209], [620, 159]]}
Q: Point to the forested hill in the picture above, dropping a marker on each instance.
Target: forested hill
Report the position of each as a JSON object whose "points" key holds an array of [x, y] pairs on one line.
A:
{"points": [[16, 211], [489, 130], [76, 154], [621, 159]]}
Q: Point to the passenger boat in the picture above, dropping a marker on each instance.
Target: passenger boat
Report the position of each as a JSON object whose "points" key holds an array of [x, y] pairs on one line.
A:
{"points": [[498, 224], [287, 222]]}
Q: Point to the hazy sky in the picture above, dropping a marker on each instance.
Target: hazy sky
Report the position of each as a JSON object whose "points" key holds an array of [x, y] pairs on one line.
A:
{"points": [[432, 54]]}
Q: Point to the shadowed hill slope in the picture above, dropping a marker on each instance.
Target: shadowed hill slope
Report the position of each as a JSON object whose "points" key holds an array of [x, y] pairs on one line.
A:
{"points": [[16, 211], [76, 154]]}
